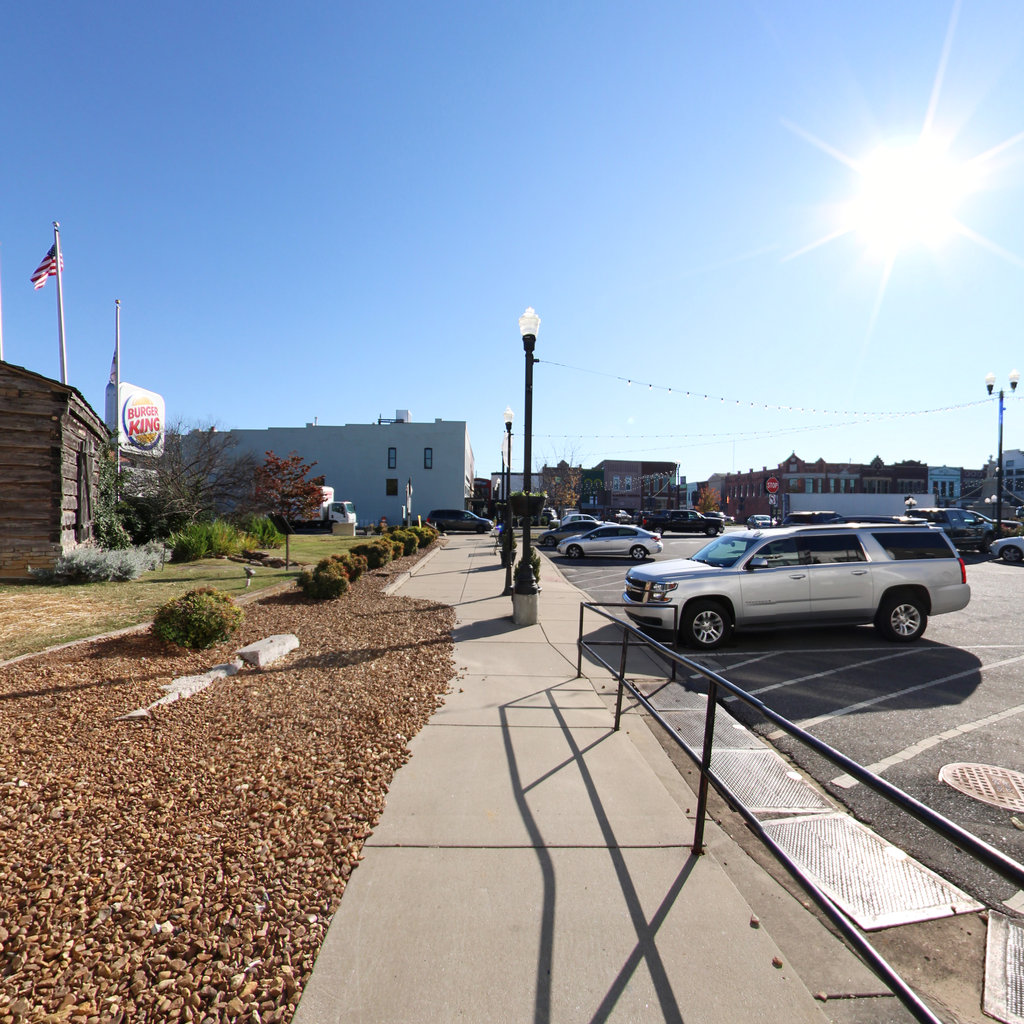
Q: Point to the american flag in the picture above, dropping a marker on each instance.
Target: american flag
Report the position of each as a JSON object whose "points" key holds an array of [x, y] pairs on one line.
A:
{"points": [[47, 268]]}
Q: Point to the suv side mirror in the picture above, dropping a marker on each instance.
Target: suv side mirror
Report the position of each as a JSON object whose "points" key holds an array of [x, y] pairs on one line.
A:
{"points": [[757, 562]]}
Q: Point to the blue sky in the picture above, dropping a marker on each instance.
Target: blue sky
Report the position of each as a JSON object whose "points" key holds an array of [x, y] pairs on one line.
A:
{"points": [[333, 211]]}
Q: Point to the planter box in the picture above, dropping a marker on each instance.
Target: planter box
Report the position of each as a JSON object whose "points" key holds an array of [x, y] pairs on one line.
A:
{"points": [[526, 504]]}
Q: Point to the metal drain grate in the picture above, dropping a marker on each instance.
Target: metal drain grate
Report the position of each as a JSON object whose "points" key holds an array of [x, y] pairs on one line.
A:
{"points": [[729, 734], [1004, 969], [876, 883], [765, 784], [988, 783], [670, 696]]}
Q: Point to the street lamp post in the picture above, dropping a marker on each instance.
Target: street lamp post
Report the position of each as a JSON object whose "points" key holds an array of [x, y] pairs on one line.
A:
{"points": [[524, 599], [507, 539], [990, 383]]}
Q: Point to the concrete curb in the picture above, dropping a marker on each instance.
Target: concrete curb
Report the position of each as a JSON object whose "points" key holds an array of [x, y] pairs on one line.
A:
{"points": [[404, 577]]}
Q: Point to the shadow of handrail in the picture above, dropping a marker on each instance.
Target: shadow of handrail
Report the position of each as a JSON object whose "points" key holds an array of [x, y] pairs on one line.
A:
{"points": [[645, 950], [967, 842]]}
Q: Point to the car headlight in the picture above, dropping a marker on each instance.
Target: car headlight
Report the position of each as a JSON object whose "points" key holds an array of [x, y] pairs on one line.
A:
{"points": [[660, 591]]}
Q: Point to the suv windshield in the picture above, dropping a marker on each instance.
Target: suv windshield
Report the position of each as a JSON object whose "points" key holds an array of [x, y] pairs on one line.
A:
{"points": [[725, 550]]}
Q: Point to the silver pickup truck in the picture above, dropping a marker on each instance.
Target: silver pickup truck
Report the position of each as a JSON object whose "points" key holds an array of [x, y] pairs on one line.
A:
{"points": [[892, 576]]}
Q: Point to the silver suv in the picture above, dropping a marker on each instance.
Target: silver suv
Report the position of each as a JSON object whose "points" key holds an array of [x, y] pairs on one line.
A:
{"points": [[892, 576]]}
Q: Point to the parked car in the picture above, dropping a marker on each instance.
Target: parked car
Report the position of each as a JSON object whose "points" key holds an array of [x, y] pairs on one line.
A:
{"points": [[720, 516], [1009, 549], [759, 522], [682, 520], [448, 520], [613, 539], [894, 576], [620, 515], [807, 518], [967, 530], [572, 516], [582, 524]]}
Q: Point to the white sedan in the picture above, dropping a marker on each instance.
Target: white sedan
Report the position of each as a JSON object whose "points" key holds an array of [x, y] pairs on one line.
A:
{"points": [[1009, 549], [613, 540]]}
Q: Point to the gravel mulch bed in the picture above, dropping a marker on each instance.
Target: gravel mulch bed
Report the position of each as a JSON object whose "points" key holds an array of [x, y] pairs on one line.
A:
{"points": [[186, 867]]}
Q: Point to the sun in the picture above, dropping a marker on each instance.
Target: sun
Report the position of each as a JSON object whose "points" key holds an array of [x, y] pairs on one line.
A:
{"points": [[908, 195]]}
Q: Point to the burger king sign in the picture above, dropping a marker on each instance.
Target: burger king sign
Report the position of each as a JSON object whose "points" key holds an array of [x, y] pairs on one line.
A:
{"points": [[141, 421]]}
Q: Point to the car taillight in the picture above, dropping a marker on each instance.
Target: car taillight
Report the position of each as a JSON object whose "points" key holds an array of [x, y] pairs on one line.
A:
{"points": [[963, 571], [656, 536]]}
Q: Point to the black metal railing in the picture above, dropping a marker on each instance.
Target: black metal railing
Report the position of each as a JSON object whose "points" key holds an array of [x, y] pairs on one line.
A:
{"points": [[632, 637]]}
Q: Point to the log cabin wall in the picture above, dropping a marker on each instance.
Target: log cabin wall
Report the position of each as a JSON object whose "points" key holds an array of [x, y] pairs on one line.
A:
{"points": [[50, 442]]}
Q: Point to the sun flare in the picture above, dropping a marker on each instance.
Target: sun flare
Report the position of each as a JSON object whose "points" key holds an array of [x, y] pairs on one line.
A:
{"points": [[908, 196]]}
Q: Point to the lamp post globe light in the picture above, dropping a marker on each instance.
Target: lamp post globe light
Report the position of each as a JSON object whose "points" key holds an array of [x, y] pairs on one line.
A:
{"points": [[990, 383], [507, 539], [524, 596]]}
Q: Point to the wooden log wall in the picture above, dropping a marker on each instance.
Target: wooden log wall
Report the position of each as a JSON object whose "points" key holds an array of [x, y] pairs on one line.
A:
{"points": [[43, 427]]}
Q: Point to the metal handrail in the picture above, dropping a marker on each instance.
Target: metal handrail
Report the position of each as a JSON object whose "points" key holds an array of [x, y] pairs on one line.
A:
{"points": [[949, 830]]}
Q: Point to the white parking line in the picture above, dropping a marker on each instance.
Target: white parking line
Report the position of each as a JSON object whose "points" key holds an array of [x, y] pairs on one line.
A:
{"points": [[825, 673], [808, 723], [742, 664], [848, 782]]}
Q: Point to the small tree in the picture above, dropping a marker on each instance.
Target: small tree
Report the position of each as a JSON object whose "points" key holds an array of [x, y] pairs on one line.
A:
{"points": [[108, 521], [199, 476], [283, 490], [563, 484], [707, 500]]}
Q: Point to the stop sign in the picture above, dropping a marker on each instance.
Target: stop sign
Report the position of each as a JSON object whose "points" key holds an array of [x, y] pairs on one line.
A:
{"points": [[772, 485]]}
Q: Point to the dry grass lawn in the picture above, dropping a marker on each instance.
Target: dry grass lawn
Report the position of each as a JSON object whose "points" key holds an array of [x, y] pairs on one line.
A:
{"points": [[34, 617]]}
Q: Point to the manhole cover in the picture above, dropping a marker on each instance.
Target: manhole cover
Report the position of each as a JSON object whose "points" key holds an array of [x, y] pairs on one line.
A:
{"points": [[986, 782]]}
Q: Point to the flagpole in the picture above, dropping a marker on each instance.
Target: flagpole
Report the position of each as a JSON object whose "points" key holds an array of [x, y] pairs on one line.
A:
{"points": [[117, 387], [60, 306]]}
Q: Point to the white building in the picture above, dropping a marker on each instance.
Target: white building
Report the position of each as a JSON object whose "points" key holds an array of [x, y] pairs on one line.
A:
{"points": [[371, 464]]}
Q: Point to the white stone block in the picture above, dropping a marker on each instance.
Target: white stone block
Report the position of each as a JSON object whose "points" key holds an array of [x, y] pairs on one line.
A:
{"points": [[268, 650]]}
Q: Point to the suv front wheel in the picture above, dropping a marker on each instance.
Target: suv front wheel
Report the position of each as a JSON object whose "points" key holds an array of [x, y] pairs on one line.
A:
{"points": [[704, 625], [901, 618]]}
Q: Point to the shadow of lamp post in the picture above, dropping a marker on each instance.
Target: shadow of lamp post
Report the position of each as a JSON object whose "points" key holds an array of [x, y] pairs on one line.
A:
{"points": [[990, 383], [507, 538], [524, 596]]}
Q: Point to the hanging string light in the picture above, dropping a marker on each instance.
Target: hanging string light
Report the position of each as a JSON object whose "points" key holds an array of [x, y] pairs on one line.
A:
{"points": [[869, 414]]}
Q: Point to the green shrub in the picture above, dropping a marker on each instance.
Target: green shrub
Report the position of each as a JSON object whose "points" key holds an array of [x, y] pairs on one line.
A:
{"points": [[189, 544], [198, 619], [328, 580], [425, 535], [408, 540], [262, 531], [207, 540], [96, 565], [355, 565], [376, 552]]}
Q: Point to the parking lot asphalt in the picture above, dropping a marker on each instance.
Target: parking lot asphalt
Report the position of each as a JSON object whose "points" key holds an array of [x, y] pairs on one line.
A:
{"points": [[906, 711]]}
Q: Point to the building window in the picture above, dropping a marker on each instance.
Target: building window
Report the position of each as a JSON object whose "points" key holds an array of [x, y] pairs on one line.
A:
{"points": [[629, 483], [392, 458], [428, 458], [615, 483], [391, 486]]}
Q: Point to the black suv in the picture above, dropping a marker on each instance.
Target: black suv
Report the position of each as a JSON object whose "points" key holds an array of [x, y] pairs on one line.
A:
{"points": [[967, 530], [682, 520], [449, 519]]}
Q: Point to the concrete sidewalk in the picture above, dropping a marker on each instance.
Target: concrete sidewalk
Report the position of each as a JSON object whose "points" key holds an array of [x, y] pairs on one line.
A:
{"points": [[533, 865]]}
